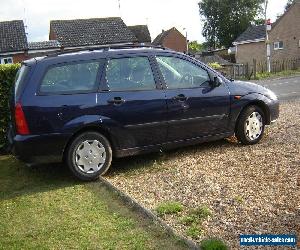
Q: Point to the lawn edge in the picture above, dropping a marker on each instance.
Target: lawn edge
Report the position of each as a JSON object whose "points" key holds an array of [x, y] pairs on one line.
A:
{"points": [[147, 213]]}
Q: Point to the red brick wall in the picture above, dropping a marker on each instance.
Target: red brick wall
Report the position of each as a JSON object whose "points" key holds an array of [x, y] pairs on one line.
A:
{"points": [[52, 35], [19, 57], [175, 40]]}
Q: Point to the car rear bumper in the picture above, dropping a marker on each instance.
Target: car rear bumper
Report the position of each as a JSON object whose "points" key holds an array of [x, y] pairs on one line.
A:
{"points": [[38, 149]]}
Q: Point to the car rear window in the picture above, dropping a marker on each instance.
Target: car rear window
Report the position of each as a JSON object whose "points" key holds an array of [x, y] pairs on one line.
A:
{"points": [[20, 80], [72, 77]]}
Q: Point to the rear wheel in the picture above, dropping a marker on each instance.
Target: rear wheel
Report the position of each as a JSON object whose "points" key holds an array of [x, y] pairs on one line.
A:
{"points": [[89, 156], [251, 125]]}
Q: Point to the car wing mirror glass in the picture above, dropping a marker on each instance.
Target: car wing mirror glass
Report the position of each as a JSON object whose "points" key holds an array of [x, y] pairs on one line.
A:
{"points": [[216, 82]]}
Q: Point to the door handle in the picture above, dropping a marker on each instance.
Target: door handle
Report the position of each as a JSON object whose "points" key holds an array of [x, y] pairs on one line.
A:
{"points": [[180, 98], [116, 101]]}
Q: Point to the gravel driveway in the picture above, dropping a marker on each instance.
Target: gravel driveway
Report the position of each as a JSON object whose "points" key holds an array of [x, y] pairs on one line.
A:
{"points": [[248, 189]]}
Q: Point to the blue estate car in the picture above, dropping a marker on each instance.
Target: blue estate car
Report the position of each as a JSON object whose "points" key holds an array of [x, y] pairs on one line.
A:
{"points": [[85, 107]]}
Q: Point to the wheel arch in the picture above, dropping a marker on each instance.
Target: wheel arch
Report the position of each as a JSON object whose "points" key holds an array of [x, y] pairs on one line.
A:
{"points": [[259, 103], [91, 128]]}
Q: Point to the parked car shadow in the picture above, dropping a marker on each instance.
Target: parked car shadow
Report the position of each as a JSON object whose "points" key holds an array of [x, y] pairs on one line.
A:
{"points": [[131, 164], [16, 179]]}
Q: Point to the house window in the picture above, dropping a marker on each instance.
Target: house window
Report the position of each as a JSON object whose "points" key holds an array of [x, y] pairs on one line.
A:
{"points": [[6, 60], [278, 45]]}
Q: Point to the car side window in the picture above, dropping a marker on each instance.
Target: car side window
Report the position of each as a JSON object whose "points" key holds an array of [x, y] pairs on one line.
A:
{"points": [[73, 77], [133, 73], [180, 73]]}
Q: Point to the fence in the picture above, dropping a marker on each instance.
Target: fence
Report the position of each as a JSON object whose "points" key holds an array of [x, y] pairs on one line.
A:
{"points": [[250, 70]]}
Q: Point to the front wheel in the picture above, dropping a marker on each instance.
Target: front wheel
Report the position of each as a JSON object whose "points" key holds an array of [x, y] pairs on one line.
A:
{"points": [[89, 156], [251, 125]]}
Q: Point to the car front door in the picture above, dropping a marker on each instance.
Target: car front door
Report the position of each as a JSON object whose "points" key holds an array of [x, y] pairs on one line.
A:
{"points": [[133, 101], [195, 107]]}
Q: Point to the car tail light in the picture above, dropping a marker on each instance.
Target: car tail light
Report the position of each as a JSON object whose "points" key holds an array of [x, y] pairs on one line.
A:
{"points": [[21, 123]]}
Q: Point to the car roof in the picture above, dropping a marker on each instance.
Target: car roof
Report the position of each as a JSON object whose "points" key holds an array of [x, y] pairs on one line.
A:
{"points": [[98, 53]]}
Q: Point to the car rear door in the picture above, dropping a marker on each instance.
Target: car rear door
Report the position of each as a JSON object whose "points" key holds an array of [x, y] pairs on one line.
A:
{"points": [[132, 99], [195, 108]]}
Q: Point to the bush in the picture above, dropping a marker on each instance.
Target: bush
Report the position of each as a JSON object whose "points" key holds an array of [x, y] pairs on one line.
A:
{"points": [[215, 65], [7, 77]]}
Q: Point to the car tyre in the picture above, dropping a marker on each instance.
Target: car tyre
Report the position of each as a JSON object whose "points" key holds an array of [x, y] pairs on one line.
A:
{"points": [[251, 125], [89, 155]]}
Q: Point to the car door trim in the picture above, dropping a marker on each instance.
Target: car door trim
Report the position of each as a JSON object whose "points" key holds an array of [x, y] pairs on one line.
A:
{"points": [[179, 121], [201, 118], [150, 124]]}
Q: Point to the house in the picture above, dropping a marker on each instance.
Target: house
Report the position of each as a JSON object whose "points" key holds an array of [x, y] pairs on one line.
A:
{"points": [[284, 38], [13, 42], [142, 33], [251, 45], [285, 34], [171, 39], [80, 33], [36, 49]]}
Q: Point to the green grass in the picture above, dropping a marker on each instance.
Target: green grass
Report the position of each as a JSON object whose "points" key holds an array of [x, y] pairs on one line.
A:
{"points": [[197, 215], [45, 208], [239, 199], [169, 207], [266, 75], [194, 231], [194, 220], [213, 244]]}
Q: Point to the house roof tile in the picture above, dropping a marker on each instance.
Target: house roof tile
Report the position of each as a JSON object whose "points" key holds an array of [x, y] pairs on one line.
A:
{"points": [[141, 32], [252, 33], [12, 36], [51, 44], [94, 31]]}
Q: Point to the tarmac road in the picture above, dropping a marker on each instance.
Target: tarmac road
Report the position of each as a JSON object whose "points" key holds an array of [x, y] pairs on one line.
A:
{"points": [[285, 88]]}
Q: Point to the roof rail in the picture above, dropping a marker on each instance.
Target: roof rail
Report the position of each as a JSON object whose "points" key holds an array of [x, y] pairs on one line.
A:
{"points": [[120, 46], [105, 48]]}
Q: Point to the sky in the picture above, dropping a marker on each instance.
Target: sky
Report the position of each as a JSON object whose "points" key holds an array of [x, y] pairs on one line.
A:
{"points": [[157, 14]]}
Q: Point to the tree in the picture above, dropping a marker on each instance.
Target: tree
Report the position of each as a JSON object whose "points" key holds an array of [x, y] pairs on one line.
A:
{"points": [[194, 47], [225, 20]]}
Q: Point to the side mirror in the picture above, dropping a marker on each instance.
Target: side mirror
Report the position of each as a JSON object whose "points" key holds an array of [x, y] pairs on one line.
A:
{"points": [[216, 82]]}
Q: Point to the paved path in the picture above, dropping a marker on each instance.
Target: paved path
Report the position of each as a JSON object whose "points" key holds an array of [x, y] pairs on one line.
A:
{"points": [[285, 88]]}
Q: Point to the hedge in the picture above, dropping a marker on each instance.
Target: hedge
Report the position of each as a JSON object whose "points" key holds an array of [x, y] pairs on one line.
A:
{"points": [[215, 65], [7, 77]]}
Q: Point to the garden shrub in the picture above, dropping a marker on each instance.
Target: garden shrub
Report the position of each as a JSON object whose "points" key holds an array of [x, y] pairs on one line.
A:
{"points": [[7, 77], [215, 65]]}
